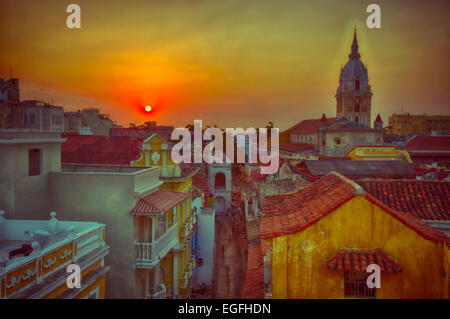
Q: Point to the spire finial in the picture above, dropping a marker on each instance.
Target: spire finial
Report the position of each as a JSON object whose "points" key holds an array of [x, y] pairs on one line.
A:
{"points": [[354, 53]]}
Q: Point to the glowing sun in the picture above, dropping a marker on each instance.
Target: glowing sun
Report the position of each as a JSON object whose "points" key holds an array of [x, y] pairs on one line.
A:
{"points": [[148, 108]]}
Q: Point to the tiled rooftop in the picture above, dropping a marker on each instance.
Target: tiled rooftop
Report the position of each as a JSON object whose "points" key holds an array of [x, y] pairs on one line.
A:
{"points": [[428, 200], [99, 149], [159, 201], [352, 169], [309, 126], [429, 143], [290, 213], [254, 277], [358, 260]]}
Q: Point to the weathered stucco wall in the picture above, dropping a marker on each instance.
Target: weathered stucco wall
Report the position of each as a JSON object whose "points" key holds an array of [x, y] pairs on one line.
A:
{"points": [[298, 260], [107, 199], [23, 196]]}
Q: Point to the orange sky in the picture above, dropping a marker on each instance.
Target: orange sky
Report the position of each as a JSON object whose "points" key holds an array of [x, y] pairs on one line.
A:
{"points": [[230, 63]]}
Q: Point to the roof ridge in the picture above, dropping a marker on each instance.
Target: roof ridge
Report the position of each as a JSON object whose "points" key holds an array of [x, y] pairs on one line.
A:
{"points": [[358, 189]]}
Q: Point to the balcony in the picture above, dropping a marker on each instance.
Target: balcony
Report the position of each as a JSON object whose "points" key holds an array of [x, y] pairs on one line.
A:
{"points": [[187, 227], [149, 254], [191, 266], [157, 293], [184, 280]]}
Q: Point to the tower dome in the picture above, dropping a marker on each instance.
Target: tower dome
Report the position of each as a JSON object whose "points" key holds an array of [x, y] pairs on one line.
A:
{"points": [[354, 70], [353, 95]]}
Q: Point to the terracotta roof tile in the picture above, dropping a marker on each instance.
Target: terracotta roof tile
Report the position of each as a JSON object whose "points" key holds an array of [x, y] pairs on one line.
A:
{"points": [[308, 205], [159, 201], [428, 200], [359, 169], [302, 203], [254, 277], [429, 143], [309, 126], [99, 149], [358, 260]]}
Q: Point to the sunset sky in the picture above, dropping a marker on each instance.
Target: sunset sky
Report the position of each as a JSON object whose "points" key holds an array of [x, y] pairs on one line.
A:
{"points": [[230, 63]]}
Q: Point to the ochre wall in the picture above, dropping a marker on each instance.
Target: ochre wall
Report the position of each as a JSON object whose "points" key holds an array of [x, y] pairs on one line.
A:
{"points": [[298, 260]]}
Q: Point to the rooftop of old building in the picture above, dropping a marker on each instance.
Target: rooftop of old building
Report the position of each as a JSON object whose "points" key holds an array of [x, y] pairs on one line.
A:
{"points": [[290, 213]]}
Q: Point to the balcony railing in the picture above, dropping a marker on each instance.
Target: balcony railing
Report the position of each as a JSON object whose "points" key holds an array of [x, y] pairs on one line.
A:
{"points": [[89, 242], [157, 293], [20, 274], [149, 254], [184, 279], [188, 225], [191, 266]]}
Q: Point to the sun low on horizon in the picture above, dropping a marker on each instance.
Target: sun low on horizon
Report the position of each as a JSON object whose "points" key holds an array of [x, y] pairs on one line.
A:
{"points": [[226, 63]]}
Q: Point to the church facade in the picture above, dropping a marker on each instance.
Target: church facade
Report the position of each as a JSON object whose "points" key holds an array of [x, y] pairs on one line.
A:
{"points": [[335, 137]]}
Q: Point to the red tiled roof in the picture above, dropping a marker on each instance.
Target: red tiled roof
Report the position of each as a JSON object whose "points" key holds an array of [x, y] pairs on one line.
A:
{"points": [[429, 143], [254, 277], [159, 201], [309, 126], [295, 147], [201, 182], [290, 213], [429, 200], [99, 149], [358, 260]]}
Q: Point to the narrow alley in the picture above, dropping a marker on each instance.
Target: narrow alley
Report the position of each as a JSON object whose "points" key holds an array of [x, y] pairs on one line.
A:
{"points": [[229, 257]]}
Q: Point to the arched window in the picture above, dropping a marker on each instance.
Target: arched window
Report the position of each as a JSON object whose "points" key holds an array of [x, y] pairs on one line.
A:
{"points": [[219, 180], [356, 85]]}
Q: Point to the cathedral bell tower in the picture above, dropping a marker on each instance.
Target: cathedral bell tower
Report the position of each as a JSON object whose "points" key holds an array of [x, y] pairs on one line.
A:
{"points": [[353, 95]]}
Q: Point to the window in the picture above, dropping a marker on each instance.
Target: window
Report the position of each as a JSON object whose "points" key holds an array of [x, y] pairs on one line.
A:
{"points": [[219, 180], [34, 161], [357, 85], [357, 108], [356, 119], [355, 286]]}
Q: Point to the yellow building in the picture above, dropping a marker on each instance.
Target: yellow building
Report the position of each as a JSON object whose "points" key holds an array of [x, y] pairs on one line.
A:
{"points": [[179, 263], [404, 124], [34, 255], [378, 153], [322, 238]]}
